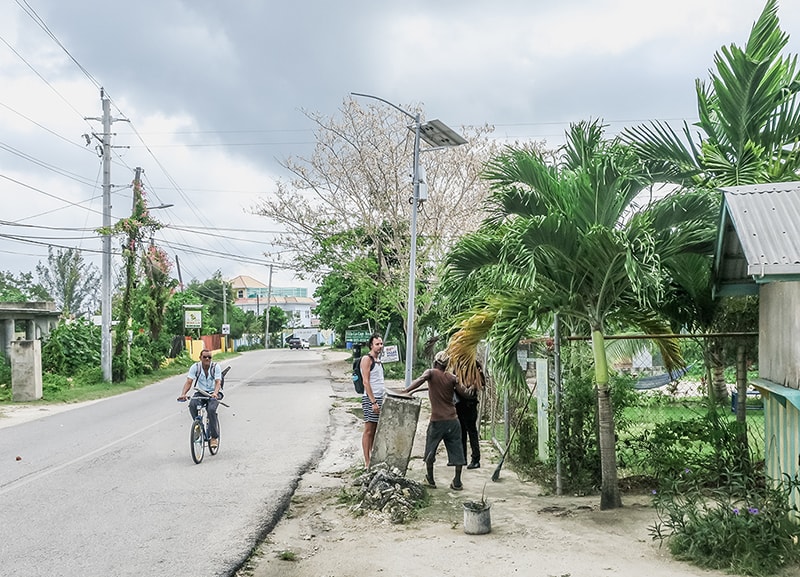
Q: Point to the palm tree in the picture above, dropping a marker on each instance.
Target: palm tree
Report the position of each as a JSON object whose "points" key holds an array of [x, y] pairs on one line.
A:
{"points": [[749, 126], [564, 238], [748, 133]]}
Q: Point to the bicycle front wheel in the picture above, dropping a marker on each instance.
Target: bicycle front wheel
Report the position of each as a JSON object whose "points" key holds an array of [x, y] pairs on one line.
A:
{"points": [[198, 441], [212, 449]]}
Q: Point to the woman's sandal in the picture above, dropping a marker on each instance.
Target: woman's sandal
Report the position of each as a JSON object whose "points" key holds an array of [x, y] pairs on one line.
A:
{"points": [[455, 487], [430, 482]]}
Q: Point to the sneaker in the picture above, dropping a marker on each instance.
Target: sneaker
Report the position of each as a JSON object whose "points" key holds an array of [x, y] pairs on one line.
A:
{"points": [[474, 465], [213, 443]]}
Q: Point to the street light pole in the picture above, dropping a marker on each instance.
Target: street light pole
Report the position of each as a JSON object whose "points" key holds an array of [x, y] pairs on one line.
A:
{"points": [[437, 134]]}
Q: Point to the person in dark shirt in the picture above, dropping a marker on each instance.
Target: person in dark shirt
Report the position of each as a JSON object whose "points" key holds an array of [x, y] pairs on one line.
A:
{"points": [[467, 409], [443, 425]]}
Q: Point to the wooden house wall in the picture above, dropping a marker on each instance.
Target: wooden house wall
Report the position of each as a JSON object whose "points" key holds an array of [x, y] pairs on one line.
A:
{"points": [[779, 333], [782, 440]]}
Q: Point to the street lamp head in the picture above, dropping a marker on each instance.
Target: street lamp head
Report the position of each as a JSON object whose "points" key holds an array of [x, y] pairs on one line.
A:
{"points": [[437, 133], [160, 206]]}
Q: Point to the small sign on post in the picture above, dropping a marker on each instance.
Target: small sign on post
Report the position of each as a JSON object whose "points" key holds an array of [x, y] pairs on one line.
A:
{"points": [[193, 319], [357, 336], [226, 329], [390, 354]]}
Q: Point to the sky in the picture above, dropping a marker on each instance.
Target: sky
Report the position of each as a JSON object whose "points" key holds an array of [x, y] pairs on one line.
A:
{"points": [[208, 98]]}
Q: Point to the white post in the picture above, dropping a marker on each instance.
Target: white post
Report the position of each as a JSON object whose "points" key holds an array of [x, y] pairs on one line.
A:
{"points": [[412, 264]]}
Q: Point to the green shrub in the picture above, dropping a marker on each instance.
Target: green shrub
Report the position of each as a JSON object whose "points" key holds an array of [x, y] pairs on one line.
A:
{"points": [[70, 347], [743, 527]]}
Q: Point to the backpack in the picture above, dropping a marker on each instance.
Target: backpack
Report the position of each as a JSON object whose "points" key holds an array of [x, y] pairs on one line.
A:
{"points": [[358, 380], [211, 368]]}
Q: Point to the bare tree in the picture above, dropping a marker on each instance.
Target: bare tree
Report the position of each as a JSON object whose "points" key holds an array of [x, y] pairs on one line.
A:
{"points": [[351, 198]]}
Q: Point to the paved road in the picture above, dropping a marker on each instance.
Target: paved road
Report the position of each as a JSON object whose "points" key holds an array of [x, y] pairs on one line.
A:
{"points": [[110, 488]]}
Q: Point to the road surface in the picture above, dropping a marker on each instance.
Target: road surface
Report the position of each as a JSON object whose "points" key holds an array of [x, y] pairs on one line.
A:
{"points": [[110, 488]]}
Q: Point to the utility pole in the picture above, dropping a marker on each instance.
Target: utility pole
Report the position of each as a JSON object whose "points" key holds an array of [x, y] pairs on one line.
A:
{"points": [[225, 310], [269, 299], [178, 266], [105, 299]]}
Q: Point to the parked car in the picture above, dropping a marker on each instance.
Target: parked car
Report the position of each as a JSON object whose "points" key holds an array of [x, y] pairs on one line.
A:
{"points": [[297, 343]]}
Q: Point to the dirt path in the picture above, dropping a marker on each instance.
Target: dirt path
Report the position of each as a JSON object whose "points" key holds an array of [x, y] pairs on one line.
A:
{"points": [[532, 534]]}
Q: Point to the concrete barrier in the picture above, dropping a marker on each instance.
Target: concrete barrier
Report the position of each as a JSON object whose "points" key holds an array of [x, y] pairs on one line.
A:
{"points": [[26, 370], [394, 437]]}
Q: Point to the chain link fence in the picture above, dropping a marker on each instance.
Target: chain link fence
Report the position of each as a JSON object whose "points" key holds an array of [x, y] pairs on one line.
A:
{"points": [[661, 424]]}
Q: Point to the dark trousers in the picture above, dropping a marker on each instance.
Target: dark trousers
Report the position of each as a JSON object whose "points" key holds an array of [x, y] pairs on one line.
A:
{"points": [[468, 417], [211, 407]]}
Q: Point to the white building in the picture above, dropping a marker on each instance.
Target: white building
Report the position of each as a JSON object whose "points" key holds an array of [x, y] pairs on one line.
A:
{"points": [[253, 295]]}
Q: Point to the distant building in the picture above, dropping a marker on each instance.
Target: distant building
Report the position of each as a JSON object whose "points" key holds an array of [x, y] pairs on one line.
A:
{"points": [[253, 295]]}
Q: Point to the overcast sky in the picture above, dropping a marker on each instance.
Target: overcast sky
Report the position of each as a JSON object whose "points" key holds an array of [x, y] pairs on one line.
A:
{"points": [[214, 92]]}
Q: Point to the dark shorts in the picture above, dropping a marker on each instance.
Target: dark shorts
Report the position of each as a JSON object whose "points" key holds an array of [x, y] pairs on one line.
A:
{"points": [[450, 433]]}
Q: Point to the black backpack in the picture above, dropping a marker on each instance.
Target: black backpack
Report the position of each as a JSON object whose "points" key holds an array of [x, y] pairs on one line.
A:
{"points": [[358, 380]]}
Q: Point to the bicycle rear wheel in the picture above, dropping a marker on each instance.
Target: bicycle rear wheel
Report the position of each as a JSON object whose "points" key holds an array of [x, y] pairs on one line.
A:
{"points": [[213, 450], [198, 441]]}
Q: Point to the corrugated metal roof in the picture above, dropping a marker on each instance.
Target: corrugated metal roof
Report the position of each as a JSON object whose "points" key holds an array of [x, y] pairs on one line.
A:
{"points": [[758, 238]]}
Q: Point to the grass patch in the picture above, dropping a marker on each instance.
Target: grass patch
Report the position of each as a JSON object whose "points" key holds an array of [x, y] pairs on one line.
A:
{"points": [[287, 555], [89, 385]]}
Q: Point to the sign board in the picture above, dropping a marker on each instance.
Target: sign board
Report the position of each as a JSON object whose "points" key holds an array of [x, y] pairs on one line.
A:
{"points": [[357, 336], [193, 319], [226, 329], [390, 354]]}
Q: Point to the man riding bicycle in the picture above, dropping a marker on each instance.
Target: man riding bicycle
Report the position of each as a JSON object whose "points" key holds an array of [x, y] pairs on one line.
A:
{"points": [[207, 377]]}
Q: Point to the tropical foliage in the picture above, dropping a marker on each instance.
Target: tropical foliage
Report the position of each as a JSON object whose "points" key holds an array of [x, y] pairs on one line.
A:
{"points": [[565, 238], [71, 282]]}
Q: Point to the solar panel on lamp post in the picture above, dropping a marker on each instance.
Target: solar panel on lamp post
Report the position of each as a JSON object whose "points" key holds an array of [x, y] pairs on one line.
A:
{"points": [[437, 134]]}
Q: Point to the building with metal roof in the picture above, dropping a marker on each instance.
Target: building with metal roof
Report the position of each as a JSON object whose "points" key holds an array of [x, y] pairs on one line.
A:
{"points": [[758, 252], [758, 238]]}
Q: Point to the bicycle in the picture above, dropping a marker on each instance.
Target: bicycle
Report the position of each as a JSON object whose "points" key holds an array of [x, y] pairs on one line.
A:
{"points": [[199, 435]]}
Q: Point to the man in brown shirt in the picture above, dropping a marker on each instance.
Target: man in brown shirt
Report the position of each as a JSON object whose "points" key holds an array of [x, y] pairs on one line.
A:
{"points": [[443, 425]]}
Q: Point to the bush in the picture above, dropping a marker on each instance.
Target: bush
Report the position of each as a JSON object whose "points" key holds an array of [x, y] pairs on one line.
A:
{"points": [[743, 527], [70, 347]]}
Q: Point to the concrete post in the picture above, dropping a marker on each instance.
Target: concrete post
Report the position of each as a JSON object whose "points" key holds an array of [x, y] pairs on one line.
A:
{"points": [[8, 337], [26, 371], [394, 437]]}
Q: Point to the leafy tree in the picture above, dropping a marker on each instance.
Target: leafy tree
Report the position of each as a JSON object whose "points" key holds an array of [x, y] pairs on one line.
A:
{"points": [[748, 133], [349, 203], [749, 127], [564, 239], [21, 288], [135, 229], [210, 293], [72, 283], [277, 319]]}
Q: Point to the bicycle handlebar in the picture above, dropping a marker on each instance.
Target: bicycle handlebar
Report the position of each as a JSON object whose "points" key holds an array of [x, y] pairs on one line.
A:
{"points": [[205, 394]]}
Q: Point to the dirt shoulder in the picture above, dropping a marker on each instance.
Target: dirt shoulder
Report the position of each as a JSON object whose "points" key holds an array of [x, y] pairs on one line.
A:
{"points": [[532, 533]]}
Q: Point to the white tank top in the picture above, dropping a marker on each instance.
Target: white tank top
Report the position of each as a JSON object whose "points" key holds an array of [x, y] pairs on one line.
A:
{"points": [[376, 380]]}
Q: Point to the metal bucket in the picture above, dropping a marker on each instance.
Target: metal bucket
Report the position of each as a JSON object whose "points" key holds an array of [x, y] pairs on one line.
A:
{"points": [[477, 518]]}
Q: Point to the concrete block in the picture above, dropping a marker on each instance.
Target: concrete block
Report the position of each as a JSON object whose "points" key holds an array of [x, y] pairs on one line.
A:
{"points": [[394, 437], [26, 370]]}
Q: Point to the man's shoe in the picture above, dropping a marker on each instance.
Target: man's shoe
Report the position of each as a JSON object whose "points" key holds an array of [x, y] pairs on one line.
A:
{"points": [[474, 465], [213, 443]]}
